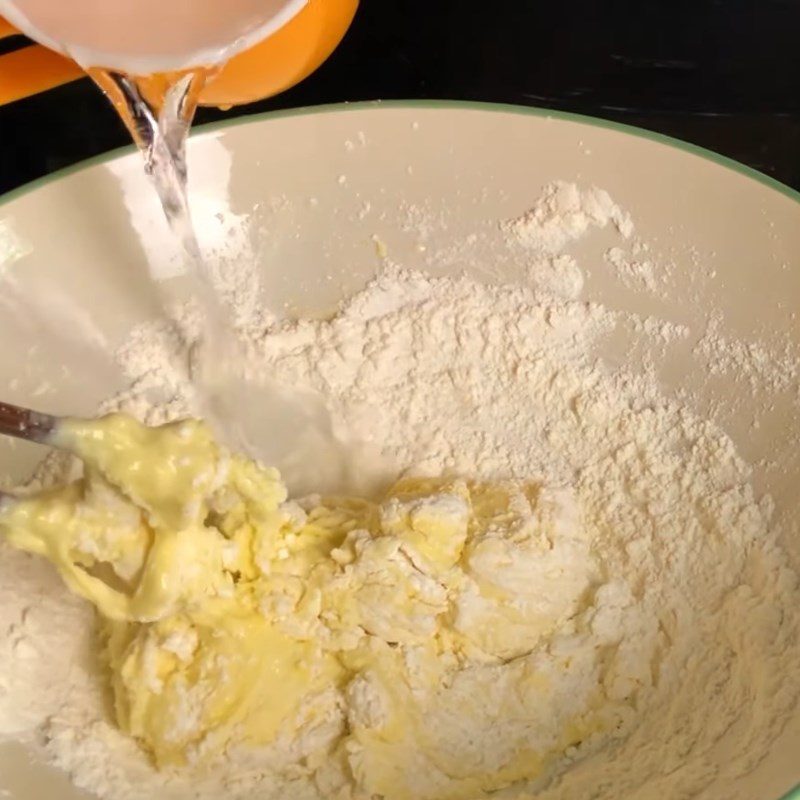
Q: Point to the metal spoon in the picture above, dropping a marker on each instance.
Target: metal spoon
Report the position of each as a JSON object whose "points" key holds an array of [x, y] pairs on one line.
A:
{"points": [[24, 423]]}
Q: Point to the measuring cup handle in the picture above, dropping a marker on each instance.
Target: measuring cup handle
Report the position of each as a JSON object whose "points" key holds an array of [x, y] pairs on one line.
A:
{"points": [[31, 69], [269, 67]]}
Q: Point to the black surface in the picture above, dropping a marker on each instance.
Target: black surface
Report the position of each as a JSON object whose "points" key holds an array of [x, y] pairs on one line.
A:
{"points": [[724, 74]]}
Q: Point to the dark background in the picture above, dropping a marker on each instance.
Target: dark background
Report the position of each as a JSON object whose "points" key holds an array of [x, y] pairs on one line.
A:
{"points": [[724, 74]]}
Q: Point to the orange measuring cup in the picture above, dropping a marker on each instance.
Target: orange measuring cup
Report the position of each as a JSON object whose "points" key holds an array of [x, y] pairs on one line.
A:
{"points": [[279, 62]]}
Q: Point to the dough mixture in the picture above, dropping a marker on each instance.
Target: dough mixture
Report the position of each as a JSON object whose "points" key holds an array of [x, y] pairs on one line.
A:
{"points": [[387, 639]]}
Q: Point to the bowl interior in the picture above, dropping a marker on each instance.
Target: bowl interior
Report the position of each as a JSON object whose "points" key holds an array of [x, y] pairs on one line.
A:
{"points": [[314, 202]]}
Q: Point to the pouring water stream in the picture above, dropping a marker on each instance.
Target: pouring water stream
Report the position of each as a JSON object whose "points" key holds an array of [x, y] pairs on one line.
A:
{"points": [[286, 428]]}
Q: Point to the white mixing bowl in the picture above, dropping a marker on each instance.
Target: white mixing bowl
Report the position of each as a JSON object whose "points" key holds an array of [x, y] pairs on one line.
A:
{"points": [[308, 194]]}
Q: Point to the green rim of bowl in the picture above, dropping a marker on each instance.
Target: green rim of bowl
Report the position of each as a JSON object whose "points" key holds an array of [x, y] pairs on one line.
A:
{"points": [[596, 122]]}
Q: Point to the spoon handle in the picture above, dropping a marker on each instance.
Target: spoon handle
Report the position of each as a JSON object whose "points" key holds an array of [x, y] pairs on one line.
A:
{"points": [[23, 423]]}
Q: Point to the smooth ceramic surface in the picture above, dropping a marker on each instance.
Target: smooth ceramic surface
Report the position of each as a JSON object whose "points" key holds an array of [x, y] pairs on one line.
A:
{"points": [[308, 195]]}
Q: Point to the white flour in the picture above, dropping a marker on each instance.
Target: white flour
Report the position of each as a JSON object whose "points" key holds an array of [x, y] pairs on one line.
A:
{"points": [[749, 361], [565, 212], [691, 633]]}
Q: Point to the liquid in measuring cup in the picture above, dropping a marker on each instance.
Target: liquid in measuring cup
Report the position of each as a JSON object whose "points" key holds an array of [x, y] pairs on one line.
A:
{"points": [[146, 37]]}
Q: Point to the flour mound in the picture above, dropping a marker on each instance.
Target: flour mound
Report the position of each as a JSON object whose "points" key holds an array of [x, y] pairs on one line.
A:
{"points": [[563, 213]]}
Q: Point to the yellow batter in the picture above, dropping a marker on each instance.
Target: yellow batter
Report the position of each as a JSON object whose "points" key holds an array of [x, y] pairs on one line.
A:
{"points": [[232, 617]]}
